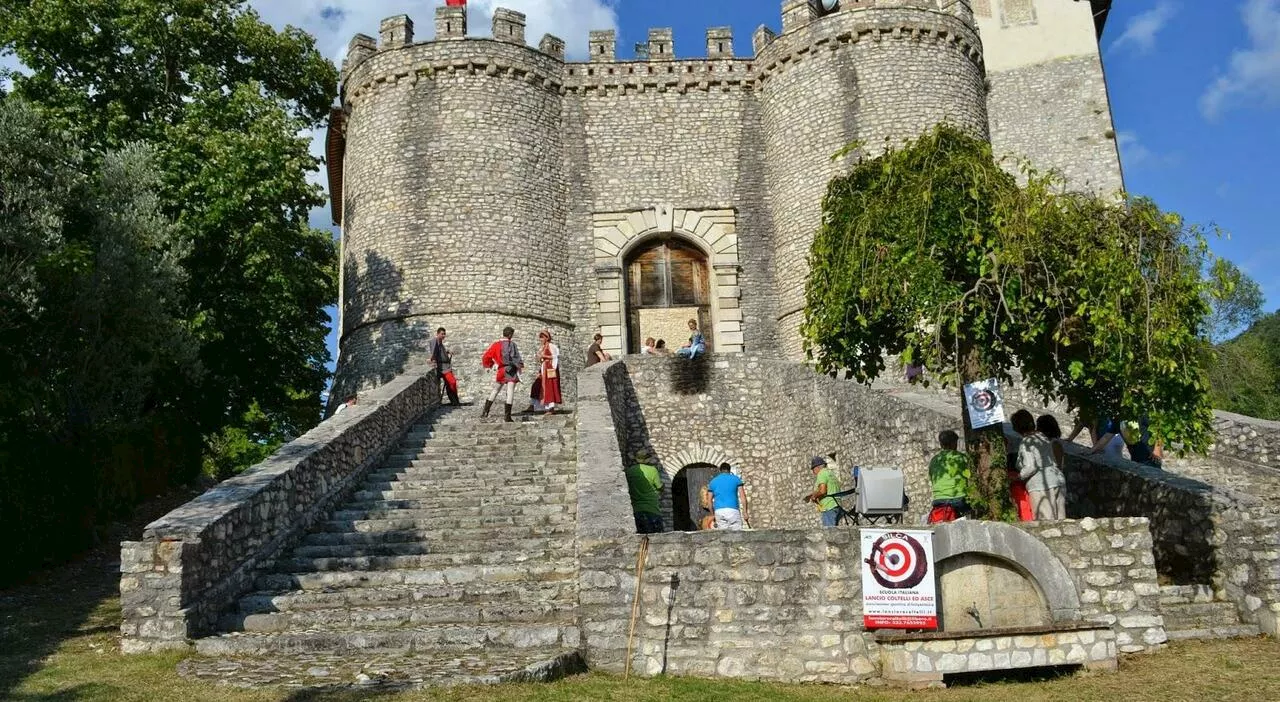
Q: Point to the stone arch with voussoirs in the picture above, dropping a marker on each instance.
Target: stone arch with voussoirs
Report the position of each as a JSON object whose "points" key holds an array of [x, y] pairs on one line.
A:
{"points": [[616, 234], [673, 468]]}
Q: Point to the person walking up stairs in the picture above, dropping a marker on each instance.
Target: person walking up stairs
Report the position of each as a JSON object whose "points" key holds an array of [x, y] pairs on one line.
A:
{"points": [[454, 562]]}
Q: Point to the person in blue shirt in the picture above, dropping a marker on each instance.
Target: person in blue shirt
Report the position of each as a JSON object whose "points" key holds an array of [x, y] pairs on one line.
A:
{"points": [[697, 342], [728, 499]]}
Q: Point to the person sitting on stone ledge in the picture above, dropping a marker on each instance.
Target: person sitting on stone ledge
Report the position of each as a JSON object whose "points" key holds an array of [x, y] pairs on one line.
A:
{"points": [[645, 486], [697, 343], [595, 352], [1039, 469], [949, 475], [648, 348], [660, 349], [729, 499]]}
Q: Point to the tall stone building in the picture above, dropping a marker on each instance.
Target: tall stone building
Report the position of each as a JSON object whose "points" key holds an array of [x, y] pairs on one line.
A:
{"points": [[481, 182]]}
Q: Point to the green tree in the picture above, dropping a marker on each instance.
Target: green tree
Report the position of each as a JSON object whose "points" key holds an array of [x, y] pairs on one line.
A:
{"points": [[931, 251], [94, 345], [1245, 376], [224, 100]]}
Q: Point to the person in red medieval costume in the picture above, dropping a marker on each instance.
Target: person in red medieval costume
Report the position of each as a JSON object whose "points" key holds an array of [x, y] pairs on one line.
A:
{"points": [[545, 393], [504, 355]]}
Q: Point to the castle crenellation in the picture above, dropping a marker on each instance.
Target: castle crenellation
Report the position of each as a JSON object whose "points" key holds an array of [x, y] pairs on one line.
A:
{"points": [[509, 26], [449, 149]]}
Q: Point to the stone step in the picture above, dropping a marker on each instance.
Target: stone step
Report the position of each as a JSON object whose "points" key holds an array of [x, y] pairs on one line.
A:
{"points": [[461, 479], [486, 510], [482, 496], [405, 595], [437, 457], [463, 475], [476, 555], [1236, 631], [1185, 594], [491, 574], [395, 617], [1199, 615], [418, 639], [564, 517], [387, 671], [429, 492], [485, 439], [390, 548], [441, 537]]}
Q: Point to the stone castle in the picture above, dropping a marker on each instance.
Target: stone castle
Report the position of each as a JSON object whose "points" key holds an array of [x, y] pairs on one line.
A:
{"points": [[481, 182]]}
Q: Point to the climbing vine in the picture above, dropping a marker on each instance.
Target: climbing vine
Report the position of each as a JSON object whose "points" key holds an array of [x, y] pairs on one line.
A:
{"points": [[934, 253]]}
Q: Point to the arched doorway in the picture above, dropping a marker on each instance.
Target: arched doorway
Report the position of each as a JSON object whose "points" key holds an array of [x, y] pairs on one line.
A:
{"points": [[686, 513], [667, 284]]}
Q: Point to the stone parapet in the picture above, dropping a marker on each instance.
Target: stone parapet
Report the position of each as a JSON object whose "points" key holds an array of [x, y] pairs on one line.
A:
{"points": [[604, 508], [407, 66], [1247, 438], [786, 605], [195, 561], [925, 662]]}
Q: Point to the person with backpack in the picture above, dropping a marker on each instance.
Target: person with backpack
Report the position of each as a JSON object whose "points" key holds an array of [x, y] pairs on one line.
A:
{"points": [[504, 355]]}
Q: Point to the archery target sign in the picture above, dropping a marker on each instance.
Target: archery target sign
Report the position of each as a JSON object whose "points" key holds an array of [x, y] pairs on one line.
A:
{"points": [[898, 580]]}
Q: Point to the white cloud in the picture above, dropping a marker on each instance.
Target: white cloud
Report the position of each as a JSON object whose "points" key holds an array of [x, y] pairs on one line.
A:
{"points": [[1254, 73], [1136, 155], [334, 22], [1141, 31]]}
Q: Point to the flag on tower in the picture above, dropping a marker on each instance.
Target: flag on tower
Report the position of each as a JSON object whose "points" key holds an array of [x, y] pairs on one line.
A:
{"points": [[455, 3]]}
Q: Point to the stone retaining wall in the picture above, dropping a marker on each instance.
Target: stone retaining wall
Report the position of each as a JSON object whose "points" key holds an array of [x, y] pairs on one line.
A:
{"points": [[1247, 438], [196, 560], [1200, 534], [786, 605], [768, 417]]}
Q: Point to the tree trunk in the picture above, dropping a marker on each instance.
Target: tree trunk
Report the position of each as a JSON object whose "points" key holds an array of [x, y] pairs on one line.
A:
{"points": [[990, 494]]}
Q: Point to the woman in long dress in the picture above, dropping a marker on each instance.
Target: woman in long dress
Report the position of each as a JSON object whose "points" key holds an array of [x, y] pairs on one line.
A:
{"points": [[549, 376]]}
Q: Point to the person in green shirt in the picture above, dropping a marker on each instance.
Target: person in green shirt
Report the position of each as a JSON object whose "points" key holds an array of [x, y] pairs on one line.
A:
{"points": [[645, 485], [949, 476], [825, 485]]}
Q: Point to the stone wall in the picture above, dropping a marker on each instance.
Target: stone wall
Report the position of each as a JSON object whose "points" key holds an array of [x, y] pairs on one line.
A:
{"points": [[1200, 534], [768, 418], [1113, 568], [875, 75], [786, 605], [1247, 438], [196, 560], [1048, 97]]}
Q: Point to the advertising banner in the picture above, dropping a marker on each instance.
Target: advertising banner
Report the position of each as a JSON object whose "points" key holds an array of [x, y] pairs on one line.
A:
{"points": [[898, 581]]}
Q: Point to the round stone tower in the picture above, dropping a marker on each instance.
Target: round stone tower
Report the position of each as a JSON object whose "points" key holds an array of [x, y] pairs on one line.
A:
{"points": [[874, 71], [452, 201]]}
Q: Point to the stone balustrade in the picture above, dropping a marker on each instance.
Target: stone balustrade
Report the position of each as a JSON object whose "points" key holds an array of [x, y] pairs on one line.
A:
{"points": [[195, 561]]}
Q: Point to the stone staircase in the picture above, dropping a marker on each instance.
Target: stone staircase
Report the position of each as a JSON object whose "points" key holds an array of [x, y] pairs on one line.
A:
{"points": [[453, 563], [1192, 612]]}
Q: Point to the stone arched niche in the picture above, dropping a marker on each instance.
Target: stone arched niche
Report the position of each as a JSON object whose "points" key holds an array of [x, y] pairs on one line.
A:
{"points": [[714, 232], [994, 575]]}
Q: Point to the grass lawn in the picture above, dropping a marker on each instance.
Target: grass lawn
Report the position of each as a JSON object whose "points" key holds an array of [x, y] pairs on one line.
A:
{"points": [[59, 641]]}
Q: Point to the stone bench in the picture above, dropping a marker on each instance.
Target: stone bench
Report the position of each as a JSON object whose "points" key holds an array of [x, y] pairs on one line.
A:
{"points": [[924, 659]]}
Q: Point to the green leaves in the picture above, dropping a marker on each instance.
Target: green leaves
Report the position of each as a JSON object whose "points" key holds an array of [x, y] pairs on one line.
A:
{"points": [[1098, 303], [220, 98]]}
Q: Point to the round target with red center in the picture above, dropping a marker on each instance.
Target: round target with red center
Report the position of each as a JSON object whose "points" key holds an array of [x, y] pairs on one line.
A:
{"points": [[898, 561]]}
